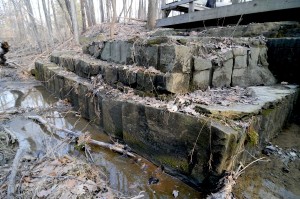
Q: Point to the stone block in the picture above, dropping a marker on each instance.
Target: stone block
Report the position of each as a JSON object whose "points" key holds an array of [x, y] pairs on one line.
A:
{"points": [[126, 53], [40, 71], [81, 68], [202, 79], [263, 56], [83, 99], [111, 75], [167, 138], [240, 55], [252, 76], [202, 64], [222, 74], [95, 110], [71, 91], [54, 57], [254, 56], [239, 51], [177, 82], [175, 59], [146, 56], [112, 117], [106, 52], [240, 62], [67, 62], [115, 51], [127, 77], [94, 68], [160, 82]]}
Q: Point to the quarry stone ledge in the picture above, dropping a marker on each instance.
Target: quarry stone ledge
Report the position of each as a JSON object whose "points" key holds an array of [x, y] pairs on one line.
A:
{"points": [[148, 130]]}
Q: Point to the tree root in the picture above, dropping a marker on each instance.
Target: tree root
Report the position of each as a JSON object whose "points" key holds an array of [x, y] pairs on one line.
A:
{"points": [[23, 148]]}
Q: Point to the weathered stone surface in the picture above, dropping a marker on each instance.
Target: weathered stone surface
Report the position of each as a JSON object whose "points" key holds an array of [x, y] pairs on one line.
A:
{"points": [[202, 79], [177, 82], [202, 64], [106, 52], [112, 117], [251, 76], [127, 77], [175, 59], [115, 51], [67, 61], [168, 138], [240, 62], [222, 74], [111, 75], [146, 55], [126, 53]]}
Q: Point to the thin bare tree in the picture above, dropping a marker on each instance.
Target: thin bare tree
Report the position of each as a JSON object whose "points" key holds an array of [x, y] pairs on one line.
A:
{"points": [[33, 24], [151, 18], [82, 10], [74, 21], [101, 10], [48, 22]]}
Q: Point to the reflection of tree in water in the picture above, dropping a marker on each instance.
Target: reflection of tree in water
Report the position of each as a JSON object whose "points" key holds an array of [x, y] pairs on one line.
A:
{"points": [[19, 96]]}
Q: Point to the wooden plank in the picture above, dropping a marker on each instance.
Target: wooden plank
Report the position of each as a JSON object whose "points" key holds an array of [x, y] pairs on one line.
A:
{"points": [[256, 6], [171, 6], [191, 7]]}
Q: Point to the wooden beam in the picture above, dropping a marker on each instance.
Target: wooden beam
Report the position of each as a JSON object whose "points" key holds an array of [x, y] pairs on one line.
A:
{"points": [[191, 7], [251, 7], [171, 6]]}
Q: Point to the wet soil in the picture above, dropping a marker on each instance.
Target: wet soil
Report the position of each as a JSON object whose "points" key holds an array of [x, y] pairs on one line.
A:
{"points": [[278, 178], [125, 176]]}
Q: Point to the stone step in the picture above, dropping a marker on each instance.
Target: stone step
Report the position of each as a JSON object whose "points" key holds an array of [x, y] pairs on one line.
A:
{"points": [[185, 133], [206, 61], [182, 143], [140, 78]]}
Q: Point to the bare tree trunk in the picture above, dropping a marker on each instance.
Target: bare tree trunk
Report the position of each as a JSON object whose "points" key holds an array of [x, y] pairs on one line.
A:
{"points": [[55, 19], [74, 21], [108, 10], [101, 10], [123, 10], [129, 11], [67, 17], [82, 7], [88, 14], [140, 9], [112, 27], [48, 22], [92, 11], [33, 24], [151, 18], [21, 27]]}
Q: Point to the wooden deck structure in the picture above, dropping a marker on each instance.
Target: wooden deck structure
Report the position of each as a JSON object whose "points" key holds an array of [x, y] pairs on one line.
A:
{"points": [[196, 15]]}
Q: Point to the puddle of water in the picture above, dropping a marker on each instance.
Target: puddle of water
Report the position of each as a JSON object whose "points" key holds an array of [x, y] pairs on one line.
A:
{"points": [[124, 174]]}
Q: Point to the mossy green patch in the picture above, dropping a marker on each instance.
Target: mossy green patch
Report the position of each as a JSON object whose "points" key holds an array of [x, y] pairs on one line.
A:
{"points": [[252, 135], [174, 163]]}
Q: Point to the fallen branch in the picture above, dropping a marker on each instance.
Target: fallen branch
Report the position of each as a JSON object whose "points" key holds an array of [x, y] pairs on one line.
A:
{"points": [[50, 126], [13, 136], [23, 148], [114, 147], [229, 181]]}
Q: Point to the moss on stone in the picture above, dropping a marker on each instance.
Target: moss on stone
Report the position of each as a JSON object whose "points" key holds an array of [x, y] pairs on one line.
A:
{"points": [[174, 162], [252, 136], [267, 112]]}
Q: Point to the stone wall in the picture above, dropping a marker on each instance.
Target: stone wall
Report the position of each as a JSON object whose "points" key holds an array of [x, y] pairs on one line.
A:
{"points": [[184, 144], [193, 62]]}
